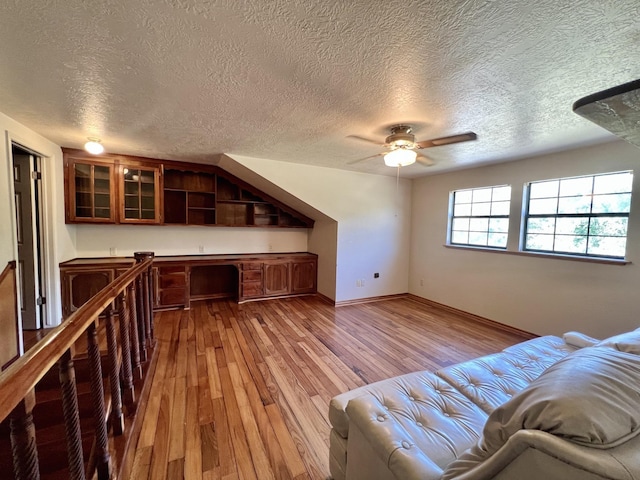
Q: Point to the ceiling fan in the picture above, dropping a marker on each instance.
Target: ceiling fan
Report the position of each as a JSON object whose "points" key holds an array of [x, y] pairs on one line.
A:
{"points": [[402, 146]]}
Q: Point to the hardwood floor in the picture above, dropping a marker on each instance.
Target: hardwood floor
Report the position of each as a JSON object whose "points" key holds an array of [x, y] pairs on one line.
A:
{"points": [[242, 391]]}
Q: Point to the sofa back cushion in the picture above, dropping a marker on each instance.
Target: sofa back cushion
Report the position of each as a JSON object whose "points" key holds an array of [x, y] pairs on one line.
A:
{"points": [[591, 397], [625, 342]]}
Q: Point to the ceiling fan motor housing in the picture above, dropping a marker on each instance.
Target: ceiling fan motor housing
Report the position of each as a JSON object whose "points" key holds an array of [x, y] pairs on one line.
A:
{"points": [[401, 137]]}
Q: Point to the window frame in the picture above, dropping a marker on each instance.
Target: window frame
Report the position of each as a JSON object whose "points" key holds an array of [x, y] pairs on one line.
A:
{"points": [[452, 217], [524, 221]]}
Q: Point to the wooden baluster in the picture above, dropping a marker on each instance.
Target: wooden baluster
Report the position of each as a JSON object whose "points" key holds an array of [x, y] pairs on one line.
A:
{"points": [[147, 309], [23, 440], [142, 337], [135, 344], [97, 399], [117, 418], [127, 375], [151, 324], [73, 434]]}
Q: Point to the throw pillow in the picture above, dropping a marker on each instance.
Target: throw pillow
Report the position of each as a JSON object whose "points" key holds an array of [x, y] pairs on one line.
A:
{"points": [[591, 397]]}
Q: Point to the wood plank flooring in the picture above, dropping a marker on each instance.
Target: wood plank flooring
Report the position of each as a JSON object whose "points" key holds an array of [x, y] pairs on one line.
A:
{"points": [[242, 391]]}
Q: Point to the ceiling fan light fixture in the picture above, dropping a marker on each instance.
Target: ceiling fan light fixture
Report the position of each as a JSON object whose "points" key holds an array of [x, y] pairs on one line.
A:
{"points": [[93, 146], [400, 157]]}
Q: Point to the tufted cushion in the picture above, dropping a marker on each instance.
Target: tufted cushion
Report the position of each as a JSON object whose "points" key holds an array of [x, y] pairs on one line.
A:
{"points": [[540, 353], [590, 398], [338, 404], [625, 342], [491, 380], [426, 414]]}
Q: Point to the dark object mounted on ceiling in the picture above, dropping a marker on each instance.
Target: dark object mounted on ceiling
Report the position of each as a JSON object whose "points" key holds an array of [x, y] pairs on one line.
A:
{"points": [[616, 109]]}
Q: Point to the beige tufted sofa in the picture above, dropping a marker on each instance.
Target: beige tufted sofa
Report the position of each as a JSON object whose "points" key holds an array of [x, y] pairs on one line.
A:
{"points": [[535, 410]]}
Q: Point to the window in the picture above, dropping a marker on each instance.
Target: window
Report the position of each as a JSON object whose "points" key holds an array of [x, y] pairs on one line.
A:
{"points": [[479, 217], [584, 216]]}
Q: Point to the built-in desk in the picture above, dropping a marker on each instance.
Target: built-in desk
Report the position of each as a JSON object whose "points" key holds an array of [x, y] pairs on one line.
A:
{"points": [[179, 279]]}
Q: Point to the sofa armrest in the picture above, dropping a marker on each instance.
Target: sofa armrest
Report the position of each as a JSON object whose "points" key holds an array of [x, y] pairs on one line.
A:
{"points": [[414, 431], [579, 340], [530, 454]]}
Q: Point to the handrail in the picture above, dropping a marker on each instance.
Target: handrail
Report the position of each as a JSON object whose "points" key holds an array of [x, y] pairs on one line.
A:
{"points": [[22, 376], [11, 265]]}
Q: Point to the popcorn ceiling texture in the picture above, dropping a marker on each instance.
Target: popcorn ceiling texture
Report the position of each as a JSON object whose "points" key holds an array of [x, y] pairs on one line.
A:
{"points": [[290, 80]]}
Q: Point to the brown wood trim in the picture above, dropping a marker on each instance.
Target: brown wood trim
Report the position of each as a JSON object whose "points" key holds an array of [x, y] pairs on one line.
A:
{"points": [[11, 265], [473, 317], [22, 376], [9, 275], [359, 301]]}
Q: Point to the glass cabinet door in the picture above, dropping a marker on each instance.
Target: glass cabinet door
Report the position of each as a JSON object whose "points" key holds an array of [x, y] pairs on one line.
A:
{"points": [[140, 195], [92, 192]]}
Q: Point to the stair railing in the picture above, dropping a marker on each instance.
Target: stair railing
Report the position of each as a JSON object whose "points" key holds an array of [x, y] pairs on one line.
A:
{"points": [[131, 294]]}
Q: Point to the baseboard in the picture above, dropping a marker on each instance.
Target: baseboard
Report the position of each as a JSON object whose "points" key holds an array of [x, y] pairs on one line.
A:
{"points": [[325, 299], [358, 301], [472, 316]]}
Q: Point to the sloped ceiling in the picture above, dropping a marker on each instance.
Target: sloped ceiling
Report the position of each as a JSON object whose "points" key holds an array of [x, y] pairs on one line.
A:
{"points": [[290, 80]]}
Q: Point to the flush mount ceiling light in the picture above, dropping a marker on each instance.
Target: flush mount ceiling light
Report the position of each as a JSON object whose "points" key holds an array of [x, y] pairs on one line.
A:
{"points": [[400, 157], [94, 146]]}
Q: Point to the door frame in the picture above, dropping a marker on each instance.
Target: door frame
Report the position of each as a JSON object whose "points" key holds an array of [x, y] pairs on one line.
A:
{"points": [[42, 233]]}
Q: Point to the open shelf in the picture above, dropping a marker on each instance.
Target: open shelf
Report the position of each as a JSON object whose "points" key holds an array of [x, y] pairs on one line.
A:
{"points": [[214, 197]]}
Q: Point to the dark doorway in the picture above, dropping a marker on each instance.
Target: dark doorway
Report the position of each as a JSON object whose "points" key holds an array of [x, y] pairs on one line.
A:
{"points": [[28, 197]]}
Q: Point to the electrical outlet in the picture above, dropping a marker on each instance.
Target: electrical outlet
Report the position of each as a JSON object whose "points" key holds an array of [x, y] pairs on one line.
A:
{"points": [[358, 283], [422, 282], [113, 251], [201, 248], [362, 282], [270, 248]]}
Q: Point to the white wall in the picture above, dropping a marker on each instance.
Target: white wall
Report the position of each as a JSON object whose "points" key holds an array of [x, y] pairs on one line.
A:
{"points": [[59, 241], [97, 240], [373, 219], [540, 295]]}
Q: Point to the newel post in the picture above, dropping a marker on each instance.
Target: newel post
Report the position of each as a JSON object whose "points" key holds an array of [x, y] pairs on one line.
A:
{"points": [[145, 294]]}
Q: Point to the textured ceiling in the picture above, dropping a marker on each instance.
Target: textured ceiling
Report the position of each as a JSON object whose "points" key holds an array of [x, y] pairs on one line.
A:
{"points": [[290, 80]]}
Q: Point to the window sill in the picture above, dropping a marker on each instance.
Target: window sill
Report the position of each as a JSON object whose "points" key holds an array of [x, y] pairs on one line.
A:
{"points": [[574, 258]]}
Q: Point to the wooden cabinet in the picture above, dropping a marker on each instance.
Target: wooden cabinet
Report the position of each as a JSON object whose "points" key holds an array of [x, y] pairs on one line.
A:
{"points": [[251, 281], [170, 286], [112, 188], [90, 190], [81, 279], [140, 192], [180, 279]]}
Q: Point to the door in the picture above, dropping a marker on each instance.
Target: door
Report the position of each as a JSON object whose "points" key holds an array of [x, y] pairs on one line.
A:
{"points": [[26, 181], [276, 278]]}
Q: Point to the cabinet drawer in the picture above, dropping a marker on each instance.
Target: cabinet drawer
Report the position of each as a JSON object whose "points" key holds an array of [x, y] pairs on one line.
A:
{"points": [[173, 280], [252, 276], [172, 296], [169, 270], [251, 290], [252, 266]]}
